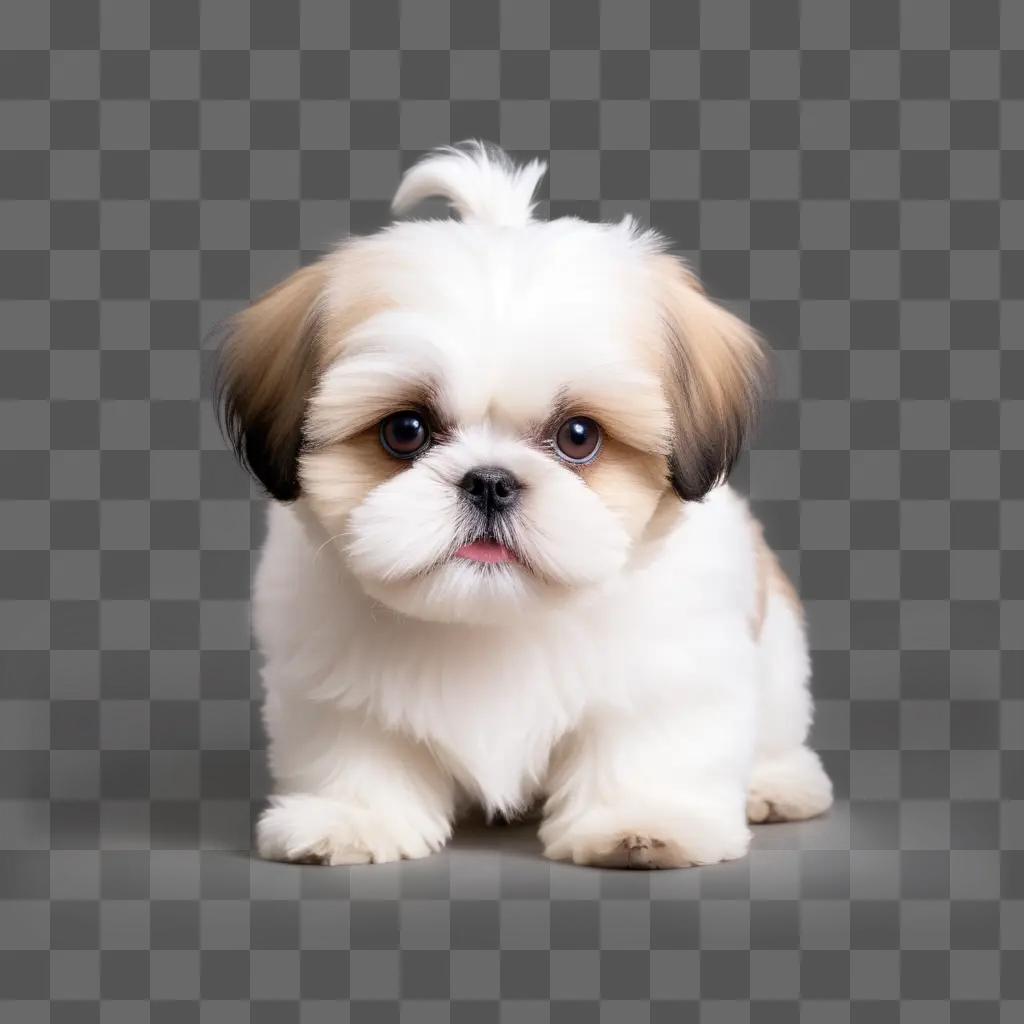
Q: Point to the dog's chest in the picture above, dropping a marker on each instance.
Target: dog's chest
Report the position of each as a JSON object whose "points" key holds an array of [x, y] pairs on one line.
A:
{"points": [[491, 712], [494, 725], [503, 768]]}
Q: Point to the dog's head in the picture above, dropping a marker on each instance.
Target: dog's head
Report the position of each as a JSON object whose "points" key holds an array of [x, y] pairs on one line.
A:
{"points": [[486, 413]]}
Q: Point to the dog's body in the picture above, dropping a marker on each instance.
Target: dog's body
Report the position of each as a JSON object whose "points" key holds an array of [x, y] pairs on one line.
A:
{"points": [[508, 569], [645, 718]]}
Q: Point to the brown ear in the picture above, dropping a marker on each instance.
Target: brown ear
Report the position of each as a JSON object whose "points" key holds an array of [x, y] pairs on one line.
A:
{"points": [[268, 363], [716, 374]]}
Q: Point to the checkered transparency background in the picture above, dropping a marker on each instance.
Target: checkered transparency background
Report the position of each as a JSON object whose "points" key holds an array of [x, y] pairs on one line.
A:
{"points": [[850, 176]]}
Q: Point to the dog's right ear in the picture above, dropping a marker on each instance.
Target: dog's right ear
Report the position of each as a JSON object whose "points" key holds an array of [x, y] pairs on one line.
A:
{"points": [[717, 371], [268, 364]]}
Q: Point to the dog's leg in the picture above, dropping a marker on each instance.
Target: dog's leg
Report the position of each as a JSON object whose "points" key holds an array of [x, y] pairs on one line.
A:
{"points": [[348, 792], [788, 782], [663, 785], [788, 787]]}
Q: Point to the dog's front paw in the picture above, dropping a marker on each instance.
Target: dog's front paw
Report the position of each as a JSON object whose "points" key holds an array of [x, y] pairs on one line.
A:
{"points": [[676, 837], [306, 829]]}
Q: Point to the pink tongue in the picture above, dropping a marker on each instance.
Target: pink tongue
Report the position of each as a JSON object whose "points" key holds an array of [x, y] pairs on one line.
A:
{"points": [[485, 551]]}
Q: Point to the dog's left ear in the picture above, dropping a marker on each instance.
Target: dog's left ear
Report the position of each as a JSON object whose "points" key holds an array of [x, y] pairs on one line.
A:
{"points": [[268, 365], [716, 373]]}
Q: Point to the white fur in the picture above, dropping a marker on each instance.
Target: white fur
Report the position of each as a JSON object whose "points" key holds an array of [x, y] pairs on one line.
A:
{"points": [[480, 183], [619, 677], [638, 707]]}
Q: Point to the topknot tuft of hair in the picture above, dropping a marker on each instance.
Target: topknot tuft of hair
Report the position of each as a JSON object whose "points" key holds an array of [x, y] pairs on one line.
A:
{"points": [[478, 179]]}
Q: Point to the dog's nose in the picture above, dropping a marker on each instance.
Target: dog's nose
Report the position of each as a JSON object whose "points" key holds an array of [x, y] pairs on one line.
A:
{"points": [[491, 489]]}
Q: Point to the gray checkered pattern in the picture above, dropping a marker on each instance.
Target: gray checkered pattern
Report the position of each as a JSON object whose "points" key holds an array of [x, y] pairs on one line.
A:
{"points": [[849, 175]]}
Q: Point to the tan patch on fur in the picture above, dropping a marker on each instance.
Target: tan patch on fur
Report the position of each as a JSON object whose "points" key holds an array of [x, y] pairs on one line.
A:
{"points": [[277, 347], [629, 482], [713, 366], [643, 853], [771, 579], [338, 477], [269, 359]]}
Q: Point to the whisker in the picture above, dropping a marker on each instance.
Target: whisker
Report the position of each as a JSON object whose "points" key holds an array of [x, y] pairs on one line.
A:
{"points": [[330, 540]]}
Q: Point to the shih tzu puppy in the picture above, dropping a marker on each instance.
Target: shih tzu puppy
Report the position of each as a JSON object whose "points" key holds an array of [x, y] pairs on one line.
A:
{"points": [[503, 566]]}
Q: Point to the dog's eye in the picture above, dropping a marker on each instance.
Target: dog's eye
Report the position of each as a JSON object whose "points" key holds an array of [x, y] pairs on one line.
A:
{"points": [[578, 439], [404, 434]]}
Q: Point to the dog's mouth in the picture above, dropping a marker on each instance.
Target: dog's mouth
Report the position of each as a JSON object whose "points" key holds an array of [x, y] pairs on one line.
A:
{"points": [[486, 551], [491, 543]]}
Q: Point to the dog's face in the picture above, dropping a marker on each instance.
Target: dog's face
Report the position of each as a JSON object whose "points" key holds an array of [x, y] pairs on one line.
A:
{"points": [[487, 417]]}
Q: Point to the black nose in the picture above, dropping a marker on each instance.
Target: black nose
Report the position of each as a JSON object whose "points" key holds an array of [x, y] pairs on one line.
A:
{"points": [[490, 489]]}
